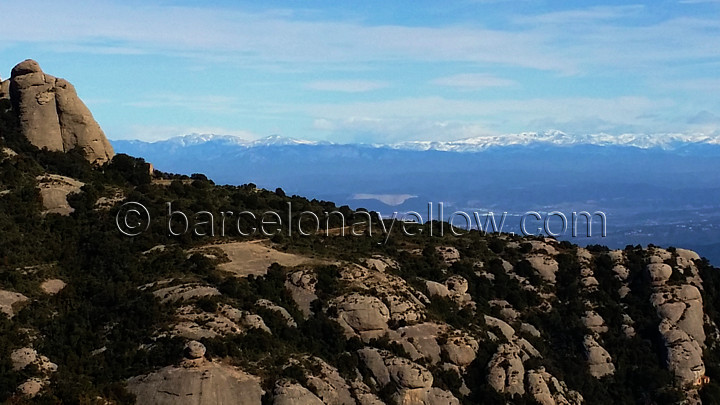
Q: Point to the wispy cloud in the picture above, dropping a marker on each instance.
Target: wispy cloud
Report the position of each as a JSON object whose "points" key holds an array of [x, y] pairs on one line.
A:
{"points": [[699, 1], [236, 35], [473, 81], [347, 86], [582, 15]]}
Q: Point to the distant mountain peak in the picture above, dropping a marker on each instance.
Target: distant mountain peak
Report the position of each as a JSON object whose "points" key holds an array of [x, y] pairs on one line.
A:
{"points": [[474, 144], [560, 138]]}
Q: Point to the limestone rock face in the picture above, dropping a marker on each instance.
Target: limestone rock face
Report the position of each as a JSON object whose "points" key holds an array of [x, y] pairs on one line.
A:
{"points": [[684, 354], [455, 288], [461, 350], [506, 371], [425, 396], [363, 315], [52, 116], [197, 383], [506, 329], [546, 266], [413, 381], [599, 361], [288, 393], [420, 341], [329, 384], [9, 301], [408, 374], [31, 387], [548, 390], [659, 273], [78, 127], [594, 322], [54, 190], [52, 286], [301, 285]]}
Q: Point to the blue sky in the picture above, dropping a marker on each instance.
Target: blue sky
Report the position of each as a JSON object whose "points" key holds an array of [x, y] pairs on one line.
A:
{"points": [[377, 72]]}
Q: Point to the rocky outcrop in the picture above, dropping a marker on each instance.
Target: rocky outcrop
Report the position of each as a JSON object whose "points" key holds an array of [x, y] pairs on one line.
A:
{"points": [[594, 322], [197, 381], [301, 285], [599, 361], [420, 341], [506, 371], [548, 390], [328, 384], [460, 348], [290, 393], [546, 266], [54, 190], [194, 350], [684, 354], [449, 254], [404, 303], [455, 288], [27, 356], [194, 323], [10, 301], [362, 315], [52, 286], [184, 292], [413, 381], [680, 309], [280, 310], [52, 116]]}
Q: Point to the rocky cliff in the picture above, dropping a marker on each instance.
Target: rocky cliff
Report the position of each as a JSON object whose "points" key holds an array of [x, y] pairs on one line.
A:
{"points": [[51, 114]]}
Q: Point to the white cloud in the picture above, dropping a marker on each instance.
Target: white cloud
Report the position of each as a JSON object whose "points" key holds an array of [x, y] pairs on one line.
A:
{"points": [[347, 86], [232, 35], [472, 81], [584, 15]]}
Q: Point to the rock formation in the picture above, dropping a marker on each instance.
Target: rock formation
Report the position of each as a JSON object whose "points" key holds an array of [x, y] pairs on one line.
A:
{"points": [[197, 381], [413, 381], [54, 190], [51, 114], [680, 309], [599, 361]]}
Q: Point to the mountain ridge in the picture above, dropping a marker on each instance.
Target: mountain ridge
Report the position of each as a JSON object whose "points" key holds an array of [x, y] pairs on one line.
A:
{"points": [[667, 141]]}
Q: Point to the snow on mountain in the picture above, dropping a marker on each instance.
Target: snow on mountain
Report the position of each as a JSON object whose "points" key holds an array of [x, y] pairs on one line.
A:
{"points": [[475, 144], [559, 138]]}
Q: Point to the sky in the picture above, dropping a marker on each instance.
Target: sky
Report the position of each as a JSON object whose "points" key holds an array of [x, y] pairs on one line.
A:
{"points": [[378, 71]]}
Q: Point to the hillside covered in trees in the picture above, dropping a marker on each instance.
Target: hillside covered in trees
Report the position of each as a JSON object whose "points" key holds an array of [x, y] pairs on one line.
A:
{"points": [[92, 315]]}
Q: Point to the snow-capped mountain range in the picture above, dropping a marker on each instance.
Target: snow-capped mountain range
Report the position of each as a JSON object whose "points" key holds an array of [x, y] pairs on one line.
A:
{"points": [[475, 144]]}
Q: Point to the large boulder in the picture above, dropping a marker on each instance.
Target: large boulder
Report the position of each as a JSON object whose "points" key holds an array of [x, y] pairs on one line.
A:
{"points": [[52, 116]]}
